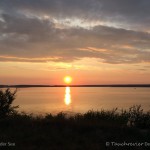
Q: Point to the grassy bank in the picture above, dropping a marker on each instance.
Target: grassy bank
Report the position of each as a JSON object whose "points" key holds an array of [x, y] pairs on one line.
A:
{"points": [[89, 131]]}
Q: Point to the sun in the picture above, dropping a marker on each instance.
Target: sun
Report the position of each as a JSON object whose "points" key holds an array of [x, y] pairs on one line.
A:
{"points": [[67, 79]]}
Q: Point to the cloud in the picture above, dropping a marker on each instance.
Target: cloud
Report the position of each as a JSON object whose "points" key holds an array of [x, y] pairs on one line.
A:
{"points": [[124, 13], [27, 36]]}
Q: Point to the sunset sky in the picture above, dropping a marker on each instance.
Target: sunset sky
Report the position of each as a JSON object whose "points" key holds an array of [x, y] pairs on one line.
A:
{"points": [[93, 41]]}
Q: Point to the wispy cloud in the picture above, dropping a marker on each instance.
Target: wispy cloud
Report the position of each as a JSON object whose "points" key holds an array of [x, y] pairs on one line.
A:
{"points": [[41, 30]]}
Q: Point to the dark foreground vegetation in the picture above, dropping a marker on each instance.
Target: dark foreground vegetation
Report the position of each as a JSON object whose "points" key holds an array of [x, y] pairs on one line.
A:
{"points": [[128, 129]]}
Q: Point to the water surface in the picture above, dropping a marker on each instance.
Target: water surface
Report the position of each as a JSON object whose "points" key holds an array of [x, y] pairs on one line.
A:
{"points": [[80, 99]]}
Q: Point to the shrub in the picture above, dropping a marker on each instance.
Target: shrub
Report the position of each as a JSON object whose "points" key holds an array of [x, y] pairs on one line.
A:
{"points": [[6, 99]]}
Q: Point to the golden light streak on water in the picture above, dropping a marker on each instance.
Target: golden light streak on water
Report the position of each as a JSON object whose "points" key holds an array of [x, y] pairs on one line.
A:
{"points": [[67, 96]]}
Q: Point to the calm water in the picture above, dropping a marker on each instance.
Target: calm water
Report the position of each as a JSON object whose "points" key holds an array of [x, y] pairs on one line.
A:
{"points": [[80, 99]]}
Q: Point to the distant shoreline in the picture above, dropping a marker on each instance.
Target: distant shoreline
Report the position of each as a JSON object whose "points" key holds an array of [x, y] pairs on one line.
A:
{"points": [[110, 85]]}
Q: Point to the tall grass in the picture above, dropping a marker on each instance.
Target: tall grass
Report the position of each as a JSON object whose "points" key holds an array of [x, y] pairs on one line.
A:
{"points": [[88, 131]]}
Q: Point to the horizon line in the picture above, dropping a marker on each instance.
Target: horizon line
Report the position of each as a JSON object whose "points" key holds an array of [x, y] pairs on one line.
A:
{"points": [[74, 85]]}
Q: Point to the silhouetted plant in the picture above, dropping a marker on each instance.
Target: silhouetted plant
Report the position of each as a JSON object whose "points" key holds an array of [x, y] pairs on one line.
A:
{"points": [[6, 99], [135, 115]]}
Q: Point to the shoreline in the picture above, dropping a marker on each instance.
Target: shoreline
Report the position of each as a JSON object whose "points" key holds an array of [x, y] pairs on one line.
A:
{"points": [[101, 85]]}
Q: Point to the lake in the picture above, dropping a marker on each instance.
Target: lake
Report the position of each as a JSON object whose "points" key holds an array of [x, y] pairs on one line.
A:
{"points": [[80, 99]]}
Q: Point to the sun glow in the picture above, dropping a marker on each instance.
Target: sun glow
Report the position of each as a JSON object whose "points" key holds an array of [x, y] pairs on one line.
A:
{"points": [[67, 79]]}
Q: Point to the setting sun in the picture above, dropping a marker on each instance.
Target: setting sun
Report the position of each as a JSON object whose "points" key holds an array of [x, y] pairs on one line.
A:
{"points": [[67, 79]]}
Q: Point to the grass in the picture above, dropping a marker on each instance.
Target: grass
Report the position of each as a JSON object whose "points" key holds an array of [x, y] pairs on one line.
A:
{"points": [[89, 131]]}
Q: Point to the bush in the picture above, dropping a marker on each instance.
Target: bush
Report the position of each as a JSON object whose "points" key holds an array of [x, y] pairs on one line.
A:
{"points": [[6, 99]]}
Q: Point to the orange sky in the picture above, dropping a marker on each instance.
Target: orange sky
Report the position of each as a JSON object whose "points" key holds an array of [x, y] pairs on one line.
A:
{"points": [[41, 73]]}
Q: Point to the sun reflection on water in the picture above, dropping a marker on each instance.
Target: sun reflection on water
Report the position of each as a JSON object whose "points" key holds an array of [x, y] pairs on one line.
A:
{"points": [[67, 96]]}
